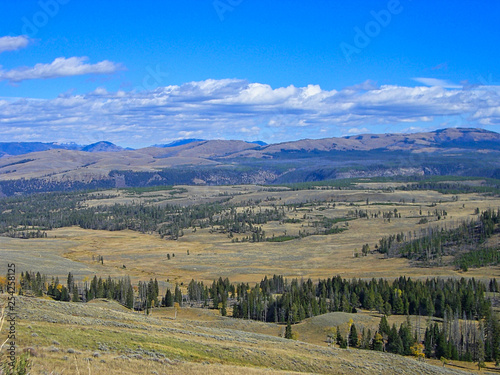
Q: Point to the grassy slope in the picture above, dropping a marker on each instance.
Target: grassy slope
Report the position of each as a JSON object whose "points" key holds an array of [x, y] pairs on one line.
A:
{"points": [[103, 337]]}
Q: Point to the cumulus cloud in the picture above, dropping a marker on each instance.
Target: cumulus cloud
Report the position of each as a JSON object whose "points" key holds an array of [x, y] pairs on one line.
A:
{"points": [[253, 131], [13, 43], [60, 67], [237, 109]]}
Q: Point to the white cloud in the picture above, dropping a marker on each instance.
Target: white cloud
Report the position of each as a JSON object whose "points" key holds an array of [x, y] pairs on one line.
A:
{"points": [[358, 131], [254, 130], [237, 109], [13, 43], [365, 86], [60, 67], [187, 134]]}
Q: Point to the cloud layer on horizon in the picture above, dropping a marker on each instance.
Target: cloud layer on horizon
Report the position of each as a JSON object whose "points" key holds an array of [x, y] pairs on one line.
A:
{"points": [[233, 108]]}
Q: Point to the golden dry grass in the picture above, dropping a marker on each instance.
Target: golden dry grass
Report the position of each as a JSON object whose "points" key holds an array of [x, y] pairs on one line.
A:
{"points": [[101, 338], [212, 255], [200, 341]]}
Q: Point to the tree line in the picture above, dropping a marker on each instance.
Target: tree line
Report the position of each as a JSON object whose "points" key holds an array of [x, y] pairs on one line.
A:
{"points": [[298, 300], [278, 300], [432, 243], [469, 330], [456, 338], [36, 284]]}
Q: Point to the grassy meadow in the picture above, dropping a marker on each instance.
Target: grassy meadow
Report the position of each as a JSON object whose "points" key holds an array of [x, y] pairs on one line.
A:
{"points": [[212, 254], [102, 336]]}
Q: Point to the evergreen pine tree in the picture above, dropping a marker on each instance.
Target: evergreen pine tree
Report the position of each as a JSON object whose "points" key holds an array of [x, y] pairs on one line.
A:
{"points": [[341, 341], [169, 299], [383, 327], [406, 338], [178, 295], [353, 337], [394, 343], [428, 343], [441, 345], [75, 296], [288, 330]]}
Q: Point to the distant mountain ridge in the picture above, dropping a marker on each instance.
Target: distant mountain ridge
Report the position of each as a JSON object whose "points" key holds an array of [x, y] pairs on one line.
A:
{"points": [[443, 138], [30, 167], [21, 148], [180, 142], [102, 147]]}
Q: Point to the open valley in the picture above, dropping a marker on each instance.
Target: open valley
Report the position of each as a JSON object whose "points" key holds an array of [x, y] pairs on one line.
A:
{"points": [[317, 231]]}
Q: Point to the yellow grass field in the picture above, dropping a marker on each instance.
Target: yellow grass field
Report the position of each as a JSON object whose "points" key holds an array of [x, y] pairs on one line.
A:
{"points": [[104, 337], [213, 255]]}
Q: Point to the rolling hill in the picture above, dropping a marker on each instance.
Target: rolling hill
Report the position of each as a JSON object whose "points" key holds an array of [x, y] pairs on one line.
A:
{"points": [[27, 167], [104, 337]]}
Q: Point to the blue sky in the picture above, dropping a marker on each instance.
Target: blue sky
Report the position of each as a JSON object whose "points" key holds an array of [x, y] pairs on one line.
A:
{"points": [[141, 73]]}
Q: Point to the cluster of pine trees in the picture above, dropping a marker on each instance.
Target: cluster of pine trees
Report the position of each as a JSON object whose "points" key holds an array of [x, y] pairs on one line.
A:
{"points": [[33, 186], [469, 330], [26, 233], [28, 217], [242, 221], [464, 339], [492, 187], [148, 294], [171, 298], [120, 290], [36, 283], [217, 295], [457, 338], [389, 339], [276, 300], [434, 243], [479, 258], [32, 216], [55, 210], [302, 299]]}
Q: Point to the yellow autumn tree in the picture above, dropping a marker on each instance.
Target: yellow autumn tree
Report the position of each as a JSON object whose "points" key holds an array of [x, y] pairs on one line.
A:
{"points": [[417, 350]]}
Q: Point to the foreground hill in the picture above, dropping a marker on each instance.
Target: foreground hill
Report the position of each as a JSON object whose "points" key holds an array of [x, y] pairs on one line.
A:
{"points": [[103, 337], [463, 152]]}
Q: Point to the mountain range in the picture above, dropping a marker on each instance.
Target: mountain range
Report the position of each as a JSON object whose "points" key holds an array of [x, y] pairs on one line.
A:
{"points": [[30, 167]]}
